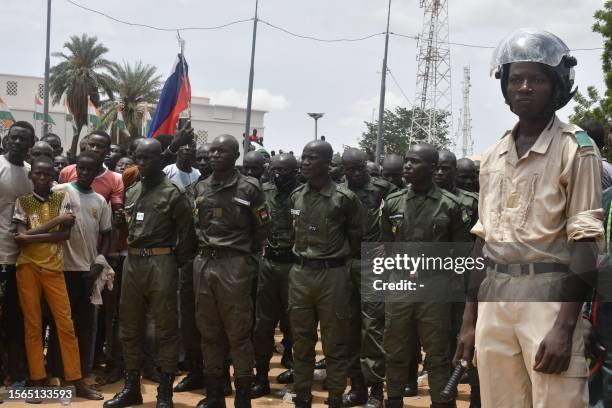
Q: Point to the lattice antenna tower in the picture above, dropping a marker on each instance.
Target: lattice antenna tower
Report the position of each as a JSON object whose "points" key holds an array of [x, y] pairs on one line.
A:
{"points": [[433, 83], [467, 143]]}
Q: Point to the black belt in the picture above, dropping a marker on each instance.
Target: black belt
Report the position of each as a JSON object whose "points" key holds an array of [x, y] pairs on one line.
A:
{"points": [[538, 267], [280, 255], [220, 253], [321, 263]]}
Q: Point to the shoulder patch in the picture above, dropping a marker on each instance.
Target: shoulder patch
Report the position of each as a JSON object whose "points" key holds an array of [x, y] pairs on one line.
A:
{"points": [[268, 186], [583, 139], [396, 194], [253, 181]]}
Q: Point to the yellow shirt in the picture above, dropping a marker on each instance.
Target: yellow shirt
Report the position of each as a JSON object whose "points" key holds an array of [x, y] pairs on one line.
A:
{"points": [[33, 211], [531, 207]]}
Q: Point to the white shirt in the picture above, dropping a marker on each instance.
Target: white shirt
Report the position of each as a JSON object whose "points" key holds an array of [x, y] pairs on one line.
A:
{"points": [[181, 177], [14, 182], [92, 218]]}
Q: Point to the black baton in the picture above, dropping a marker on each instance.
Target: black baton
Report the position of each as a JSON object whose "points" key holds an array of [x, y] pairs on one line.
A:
{"points": [[453, 382]]}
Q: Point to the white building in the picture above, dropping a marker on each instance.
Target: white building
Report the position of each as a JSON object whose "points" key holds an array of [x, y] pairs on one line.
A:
{"points": [[208, 121]]}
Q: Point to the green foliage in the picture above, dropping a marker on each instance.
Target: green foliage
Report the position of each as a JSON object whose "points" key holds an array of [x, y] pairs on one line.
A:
{"points": [[396, 131]]}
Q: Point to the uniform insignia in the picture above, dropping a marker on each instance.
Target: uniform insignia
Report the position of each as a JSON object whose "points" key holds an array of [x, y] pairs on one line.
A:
{"points": [[513, 200], [583, 139], [313, 228], [396, 221], [465, 216], [241, 201], [217, 212], [263, 213], [295, 212], [139, 216]]}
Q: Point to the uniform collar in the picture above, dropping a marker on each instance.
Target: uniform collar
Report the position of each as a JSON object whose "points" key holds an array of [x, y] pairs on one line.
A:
{"points": [[368, 186], [227, 182], [327, 190], [434, 192], [541, 144]]}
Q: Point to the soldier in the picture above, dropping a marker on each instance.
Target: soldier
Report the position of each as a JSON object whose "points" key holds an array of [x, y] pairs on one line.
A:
{"points": [[368, 318], [467, 175], [392, 169], [373, 169], [327, 220], [421, 213], [540, 190], [335, 170], [231, 219], [274, 268], [160, 240], [202, 161], [253, 165]]}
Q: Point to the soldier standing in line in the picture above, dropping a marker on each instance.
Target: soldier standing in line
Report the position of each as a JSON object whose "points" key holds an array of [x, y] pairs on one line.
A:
{"points": [[278, 258], [392, 169], [421, 213], [367, 367], [231, 218], [327, 220], [467, 175], [160, 240]]}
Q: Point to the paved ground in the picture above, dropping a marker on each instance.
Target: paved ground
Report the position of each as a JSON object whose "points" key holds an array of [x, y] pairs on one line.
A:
{"points": [[190, 399]]}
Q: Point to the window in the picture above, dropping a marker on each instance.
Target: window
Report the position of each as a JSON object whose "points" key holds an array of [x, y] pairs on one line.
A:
{"points": [[201, 137], [11, 88], [41, 91]]}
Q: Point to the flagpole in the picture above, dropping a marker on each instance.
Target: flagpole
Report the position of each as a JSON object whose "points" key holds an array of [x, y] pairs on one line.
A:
{"points": [[247, 131], [182, 47], [45, 124]]}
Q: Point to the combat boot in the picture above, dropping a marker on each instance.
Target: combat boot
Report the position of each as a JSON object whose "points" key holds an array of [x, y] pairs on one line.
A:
{"points": [[449, 404], [303, 401], [227, 379], [358, 395], [243, 392], [397, 402], [192, 381], [286, 377], [130, 394], [287, 359], [164, 391], [475, 397], [214, 394], [261, 386], [411, 390], [376, 396]]}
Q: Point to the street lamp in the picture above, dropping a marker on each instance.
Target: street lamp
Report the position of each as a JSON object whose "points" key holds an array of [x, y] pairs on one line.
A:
{"points": [[316, 117]]}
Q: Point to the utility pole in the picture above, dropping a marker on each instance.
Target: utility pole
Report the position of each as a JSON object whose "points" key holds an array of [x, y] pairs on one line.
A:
{"points": [[381, 108], [45, 124], [316, 117], [247, 130]]}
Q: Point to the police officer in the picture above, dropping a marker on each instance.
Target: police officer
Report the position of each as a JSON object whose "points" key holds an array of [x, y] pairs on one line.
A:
{"points": [[232, 218], [467, 175], [253, 165], [421, 213], [368, 318], [392, 169], [373, 169], [160, 239], [274, 268], [327, 220], [540, 188]]}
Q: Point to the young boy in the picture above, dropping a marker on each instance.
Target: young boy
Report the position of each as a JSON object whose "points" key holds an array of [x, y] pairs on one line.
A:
{"points": [[43, 220], [89, 238]]}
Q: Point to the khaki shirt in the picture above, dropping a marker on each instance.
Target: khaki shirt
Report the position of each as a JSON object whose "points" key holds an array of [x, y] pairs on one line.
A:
{"points": [[434, 217], [371, 196], [325, 220], [231, 214], [537, 204], [281, 236], [160, 216]]}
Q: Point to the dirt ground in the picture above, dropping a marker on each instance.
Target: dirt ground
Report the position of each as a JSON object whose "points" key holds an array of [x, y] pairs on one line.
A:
{"points": [[190, 399]]}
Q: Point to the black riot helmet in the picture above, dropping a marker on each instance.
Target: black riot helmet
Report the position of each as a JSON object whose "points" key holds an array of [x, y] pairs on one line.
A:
{"points": [[532, 45]]}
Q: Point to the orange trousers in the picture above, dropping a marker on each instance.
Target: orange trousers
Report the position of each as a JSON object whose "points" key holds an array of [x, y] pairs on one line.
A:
{"points": [[33, 281]]}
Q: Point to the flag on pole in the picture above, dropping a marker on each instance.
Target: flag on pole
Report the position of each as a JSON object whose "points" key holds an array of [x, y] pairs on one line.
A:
{"points": [[174, 98], [39, 111], [70, 118], [146, 121], [93, 115], [121, 123], [6, 117]]}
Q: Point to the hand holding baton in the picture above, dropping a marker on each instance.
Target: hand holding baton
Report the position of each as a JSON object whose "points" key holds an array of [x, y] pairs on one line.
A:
{"points": [[451, 387]]}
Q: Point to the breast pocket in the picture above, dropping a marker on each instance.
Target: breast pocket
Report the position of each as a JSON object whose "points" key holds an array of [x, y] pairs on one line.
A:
{"points": [[241, 212], [526, 188]]}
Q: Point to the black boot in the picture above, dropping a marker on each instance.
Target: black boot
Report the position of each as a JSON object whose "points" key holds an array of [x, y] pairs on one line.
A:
{"points": [[227, 379], [449, 404], [376, 396], [214, 394], [475, 397], [130, 394], [192, 381], [286, 377], [335, 401], [164, 391], [394, 403], [287, 359], [321, 364], [411, 390], [261, 386], [303, 401], [358, 395], [243, 392]]}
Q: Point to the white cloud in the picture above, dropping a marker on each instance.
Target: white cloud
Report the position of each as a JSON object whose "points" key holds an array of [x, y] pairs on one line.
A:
{"points": [[365, 109], [262, 99]]}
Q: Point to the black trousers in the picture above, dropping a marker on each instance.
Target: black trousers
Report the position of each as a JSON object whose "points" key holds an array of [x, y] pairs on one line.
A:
{"points": [[13, 360]]}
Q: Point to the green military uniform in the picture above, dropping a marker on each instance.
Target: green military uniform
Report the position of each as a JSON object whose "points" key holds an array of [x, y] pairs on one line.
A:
{"points": [[272, 284], [160, 239], [325, 221], [230, 216], [368, 318], [408, 217]]}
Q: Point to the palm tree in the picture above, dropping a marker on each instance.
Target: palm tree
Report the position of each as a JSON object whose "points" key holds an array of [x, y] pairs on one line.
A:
{"points": [[81, 74], [136, 84]]}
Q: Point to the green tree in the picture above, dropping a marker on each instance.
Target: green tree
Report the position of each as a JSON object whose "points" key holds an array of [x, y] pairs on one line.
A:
{"points": [[136, 85], [82, 73], [396, 130]]}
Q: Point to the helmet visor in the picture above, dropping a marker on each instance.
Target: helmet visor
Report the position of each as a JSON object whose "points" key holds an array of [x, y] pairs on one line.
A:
{"points": [[529, 45]]}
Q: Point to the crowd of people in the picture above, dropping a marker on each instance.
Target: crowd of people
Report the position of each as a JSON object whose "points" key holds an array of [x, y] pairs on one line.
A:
{"points": [[164, 256]]}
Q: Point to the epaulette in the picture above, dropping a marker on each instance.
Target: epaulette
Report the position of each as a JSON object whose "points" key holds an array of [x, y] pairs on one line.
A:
{"points": [[298, 188], [583, 139], [396, 194], [253, 181], [469, 194], [341, 188], [268, 186], [380, 182], [451, 196]]}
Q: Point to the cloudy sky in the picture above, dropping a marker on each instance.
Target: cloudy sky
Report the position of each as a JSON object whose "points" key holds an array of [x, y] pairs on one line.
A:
{"points": [[294, 76]]}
